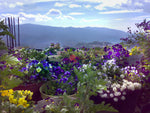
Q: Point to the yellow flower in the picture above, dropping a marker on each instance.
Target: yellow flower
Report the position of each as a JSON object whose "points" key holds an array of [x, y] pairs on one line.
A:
{"points": [[6, 92], [14, 101], [130, 53], [11, 91], [1, 86], [19, 92], [115, 76], [11, 98], [38, 69], [22, 102]]}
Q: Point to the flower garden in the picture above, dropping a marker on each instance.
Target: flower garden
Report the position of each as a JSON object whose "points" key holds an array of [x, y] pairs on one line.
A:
{"points": [[112, 79]]}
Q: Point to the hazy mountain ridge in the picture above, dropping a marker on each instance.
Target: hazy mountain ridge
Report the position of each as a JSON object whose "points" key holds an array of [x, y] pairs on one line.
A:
{"points": [[39, 36]]}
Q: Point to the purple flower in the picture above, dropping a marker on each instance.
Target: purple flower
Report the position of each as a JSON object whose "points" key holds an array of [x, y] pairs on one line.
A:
{"points": [[11, 67], [54, 77], [19, 58], [76, 104], [67, 74], [65, 80], [3, 62], [70, 83], [59, 91], [33, 76]]}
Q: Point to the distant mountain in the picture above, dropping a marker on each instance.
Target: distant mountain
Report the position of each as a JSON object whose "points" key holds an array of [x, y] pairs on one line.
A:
{"points": [[92, 44], [39, 36]]}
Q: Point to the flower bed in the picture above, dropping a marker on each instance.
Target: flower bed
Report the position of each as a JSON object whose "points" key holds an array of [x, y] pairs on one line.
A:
{"points": [[105, 79]]}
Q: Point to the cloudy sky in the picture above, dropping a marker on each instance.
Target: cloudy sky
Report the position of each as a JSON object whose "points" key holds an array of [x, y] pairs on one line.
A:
{"points": [[116, 14]]}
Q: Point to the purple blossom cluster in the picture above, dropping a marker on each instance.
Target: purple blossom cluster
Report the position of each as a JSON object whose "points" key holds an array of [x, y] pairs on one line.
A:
{"points": [[145, 25], [117, 51]]}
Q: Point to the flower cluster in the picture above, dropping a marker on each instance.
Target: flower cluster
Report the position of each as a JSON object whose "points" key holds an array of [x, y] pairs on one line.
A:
{"points": [[39, 70], [135, 50], [133, 74], [110, 70], [19, 97], [116, 51], [118, 91]]}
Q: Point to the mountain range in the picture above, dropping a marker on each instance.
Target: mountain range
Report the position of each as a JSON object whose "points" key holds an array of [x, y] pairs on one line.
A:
{"points": [[40, 36]]}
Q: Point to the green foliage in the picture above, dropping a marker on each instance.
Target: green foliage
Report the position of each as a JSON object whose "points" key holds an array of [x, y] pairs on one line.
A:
{"points": [[10, 67], [88, 85], [32, 54], [12, 108], [4, 29]]}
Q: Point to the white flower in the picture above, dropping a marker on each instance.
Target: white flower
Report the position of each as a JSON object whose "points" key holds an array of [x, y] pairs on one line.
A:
{"points": [[85, 66], [122, 76], [99, 73], [50, 66], [131, 87], [124, 93], [104, 68], [112, 61], [123, 87], [123, 98], [101, 91], [109, 82], [114, 89], [47, 107], [137, 85], [105, 95], [108, 91], [118, 85], [64, 110], [116, 99], [94, 67], [111, 95], [117, 94]]}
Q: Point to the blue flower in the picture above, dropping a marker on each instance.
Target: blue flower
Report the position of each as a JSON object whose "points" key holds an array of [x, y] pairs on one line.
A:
{"points": [[54, 77], [70, 83]]}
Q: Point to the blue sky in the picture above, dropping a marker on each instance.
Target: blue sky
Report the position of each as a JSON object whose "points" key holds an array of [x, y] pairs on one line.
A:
{"points": [[115, 14]]}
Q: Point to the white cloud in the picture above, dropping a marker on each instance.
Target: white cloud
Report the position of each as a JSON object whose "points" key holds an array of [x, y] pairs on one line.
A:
{"points": [[122, 11], [19, 3], [93, 1], [138, 4], [57, 4], [12, 5], [110, 3], [141, 18], [54, 12], [65, 17], [76, 13], [74, 5], [90, 20], [118, 19], [146, 0], [28, 17], [87, 6], [69, 17]]}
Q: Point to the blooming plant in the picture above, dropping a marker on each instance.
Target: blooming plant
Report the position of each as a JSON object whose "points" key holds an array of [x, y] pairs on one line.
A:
{"points": [[117, 52], [38, 70], [18, 100], [62, 81], [135, 50]]}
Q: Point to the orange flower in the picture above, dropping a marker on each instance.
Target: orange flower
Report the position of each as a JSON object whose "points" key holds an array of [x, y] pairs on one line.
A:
{"points": [[73, 58]]}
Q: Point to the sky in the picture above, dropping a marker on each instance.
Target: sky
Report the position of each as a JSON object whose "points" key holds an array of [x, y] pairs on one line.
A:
{"points": [[114, 14]]}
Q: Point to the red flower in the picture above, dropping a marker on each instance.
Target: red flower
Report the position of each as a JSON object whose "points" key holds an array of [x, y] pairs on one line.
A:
{"points": [[73, 58]]}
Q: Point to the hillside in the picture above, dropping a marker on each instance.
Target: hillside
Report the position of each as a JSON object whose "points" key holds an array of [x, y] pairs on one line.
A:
{"points": [[38, 36]]}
